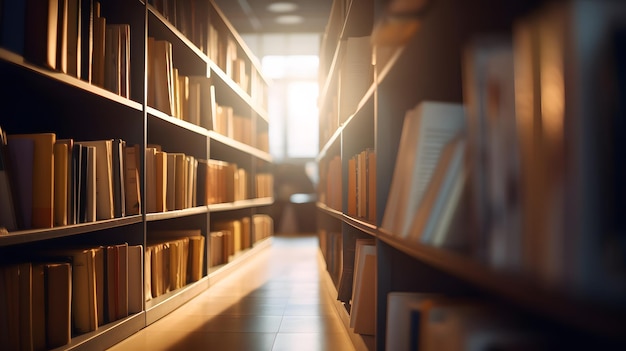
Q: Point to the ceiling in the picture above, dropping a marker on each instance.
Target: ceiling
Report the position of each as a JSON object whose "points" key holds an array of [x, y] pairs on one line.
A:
{"points": [[253, 16]]}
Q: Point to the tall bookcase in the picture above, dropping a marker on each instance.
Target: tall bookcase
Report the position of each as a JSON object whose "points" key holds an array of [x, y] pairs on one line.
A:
{"points": [[38, 100], [417, 56]]}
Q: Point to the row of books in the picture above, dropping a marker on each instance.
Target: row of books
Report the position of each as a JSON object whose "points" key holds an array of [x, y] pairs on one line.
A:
{"points": [[192, 98], [196, 24], [67, 292], [331, 193], [48, 182], [520, 165], [228, 238], [362, 185], [69, 36], [178, 181], [422, 321], [174, 258]]}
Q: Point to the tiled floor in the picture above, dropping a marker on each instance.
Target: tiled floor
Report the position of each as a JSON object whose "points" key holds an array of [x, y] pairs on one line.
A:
{"points": [[276, 301]]}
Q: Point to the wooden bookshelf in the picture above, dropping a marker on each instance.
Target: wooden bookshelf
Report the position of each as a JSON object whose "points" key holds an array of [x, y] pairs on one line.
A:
{"points": [[423, 62], [39, 99]]}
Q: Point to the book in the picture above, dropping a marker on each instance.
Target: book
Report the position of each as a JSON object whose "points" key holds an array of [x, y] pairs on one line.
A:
{"points": [[104, 177], [73, 38], [399, 311], [117, 172], [116, 300], [362, 311], [216, 247], [86, 40], [132, 196], [150, 176], [61, 32], [147, 273], [60, 184], [135, 267], [71, 180], [40, 40], [84, 290], [91, 182], [99, 47], [42, 176], [10, 306], [181, 179], [21, 157], [38, 306], [112, 58], [442, 192], [492, 149], [58, 282], [170, 197], [161, 167], [425, 131]]}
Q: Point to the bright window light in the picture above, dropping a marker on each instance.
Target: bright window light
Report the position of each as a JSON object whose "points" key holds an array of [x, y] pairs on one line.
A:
{"points": [[293, 105]]}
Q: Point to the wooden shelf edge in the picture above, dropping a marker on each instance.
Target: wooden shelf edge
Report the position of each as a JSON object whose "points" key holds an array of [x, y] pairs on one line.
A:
{"points": [[241, 93], [330, 211], [360, 342], [15, 59], [559, 304], [329, 143], [237, 205], [265, 156], [150, 217], [26, 236], [153, 112], [361, 225], [107, 335], [160, 306]]}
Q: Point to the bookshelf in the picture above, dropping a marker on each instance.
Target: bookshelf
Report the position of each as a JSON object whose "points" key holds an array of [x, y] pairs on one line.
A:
{"points": [[39, 99], [419, 56]]}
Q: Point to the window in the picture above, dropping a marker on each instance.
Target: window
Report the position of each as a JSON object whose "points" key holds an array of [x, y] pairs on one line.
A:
{"points": [[293, 106]]}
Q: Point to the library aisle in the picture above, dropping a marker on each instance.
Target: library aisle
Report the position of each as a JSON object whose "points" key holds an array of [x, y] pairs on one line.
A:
{"points": [[276, 301]]}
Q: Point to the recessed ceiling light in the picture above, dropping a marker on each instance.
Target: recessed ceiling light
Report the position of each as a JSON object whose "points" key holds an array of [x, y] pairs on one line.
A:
{"points": [[281, 7], [289, 19]]}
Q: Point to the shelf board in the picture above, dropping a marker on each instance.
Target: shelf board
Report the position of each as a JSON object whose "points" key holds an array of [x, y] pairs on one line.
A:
{"points": [[240, 146], [176, 121], [330, 211], [151, 217], [558, 304], [237, 205], [162, 305], [217, 72], [361, 224], [27, 236], [9, 57], [107, 335]]}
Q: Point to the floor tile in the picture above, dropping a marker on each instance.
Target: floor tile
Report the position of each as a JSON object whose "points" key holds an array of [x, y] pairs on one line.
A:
{"points": [[312, 342]]}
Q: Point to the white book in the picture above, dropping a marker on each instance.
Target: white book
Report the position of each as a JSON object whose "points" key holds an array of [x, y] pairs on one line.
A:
{"points": [[425, 132]]}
